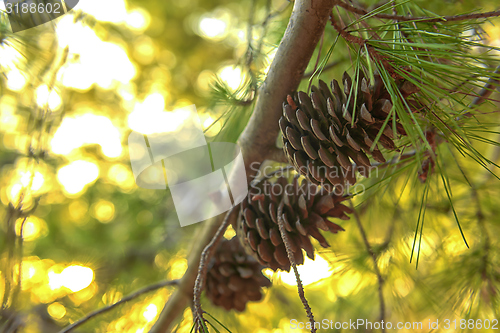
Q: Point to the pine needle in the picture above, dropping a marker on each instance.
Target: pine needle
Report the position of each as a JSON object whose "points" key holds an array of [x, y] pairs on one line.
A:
{"points": [[218, 322], [447, 188]]}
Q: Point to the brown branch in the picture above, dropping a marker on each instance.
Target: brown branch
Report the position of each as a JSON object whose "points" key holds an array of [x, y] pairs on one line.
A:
{"points": [[375, 264], [291, 258], [374, 54], [257, 141], [485, 92], [462, 17], [125, 299], [206, 255]]}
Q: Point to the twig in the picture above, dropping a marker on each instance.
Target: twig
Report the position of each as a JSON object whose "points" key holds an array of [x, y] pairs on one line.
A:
{"points": [[250, 52], [375, 264], [462, 17], [374, 54], [485, 92], [206, 255], [291, 258], [123, 300]]}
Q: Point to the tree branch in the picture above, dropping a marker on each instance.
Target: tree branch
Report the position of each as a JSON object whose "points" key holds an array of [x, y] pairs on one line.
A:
{"points": [[257, 141], [291, 258], [206, 255], [123, 300], [375, 264], [462, 17]]}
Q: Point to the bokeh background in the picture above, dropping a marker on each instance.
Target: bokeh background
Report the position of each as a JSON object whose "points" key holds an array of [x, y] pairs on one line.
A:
{"points": [[72, 90]]}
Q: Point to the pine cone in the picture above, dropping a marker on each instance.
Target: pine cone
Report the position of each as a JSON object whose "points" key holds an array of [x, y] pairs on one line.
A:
{"points": [[234, 277], [304, 207], [319, 138]]}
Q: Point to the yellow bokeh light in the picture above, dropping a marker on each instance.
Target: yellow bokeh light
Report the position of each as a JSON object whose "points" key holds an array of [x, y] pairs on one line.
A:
{"points": [[229, 233], [84, 295], [232, 75], [22, 183], [204, 80], [122, 176], [177, 268], [15, 80], [46, 97], [77, 131], [150, 312], [104, 211], [115, 11], [78, 209], [75, 176], [8, 117], [348, 283], [36, 182], [211, 126], [212, 28], [144, 50], [148, 116], [215, 25], [56, 310], [402, 287], [74, 278], [102, 63], [11, 58], [310, 272], [33, 227], [138, 19]]}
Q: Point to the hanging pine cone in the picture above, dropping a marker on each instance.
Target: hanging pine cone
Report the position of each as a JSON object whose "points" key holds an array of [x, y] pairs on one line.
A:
{"points": [[234, 277], [320, 138], [305, 209]]}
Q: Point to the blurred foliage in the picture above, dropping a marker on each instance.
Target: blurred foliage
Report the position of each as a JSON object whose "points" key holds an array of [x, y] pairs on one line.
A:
{"points": [[72, 90]]}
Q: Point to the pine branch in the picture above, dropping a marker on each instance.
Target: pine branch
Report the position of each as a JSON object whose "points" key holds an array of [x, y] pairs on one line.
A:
{"points": [[206, 255], [291, 258], [486, 91], [370, 251], [257, 141], [462, 17], [125, 299]]}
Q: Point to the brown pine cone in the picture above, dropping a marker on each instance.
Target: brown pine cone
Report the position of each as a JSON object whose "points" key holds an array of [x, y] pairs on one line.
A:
{"points": [[234, 278], [324, 132], [305, 209]]}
